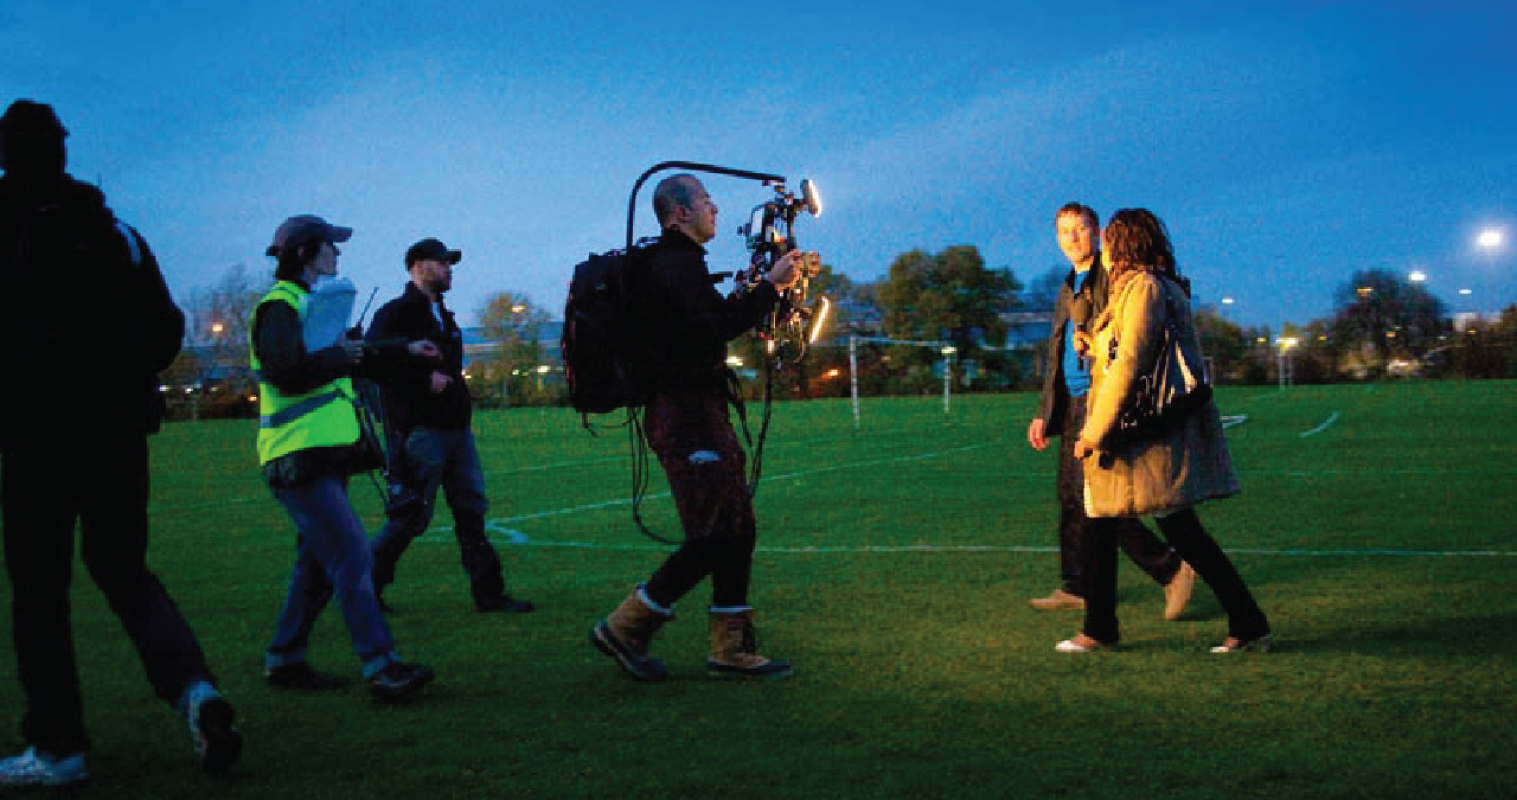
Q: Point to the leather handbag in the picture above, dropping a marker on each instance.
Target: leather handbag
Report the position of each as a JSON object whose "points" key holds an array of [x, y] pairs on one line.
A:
{"points": [[1168, 391]]}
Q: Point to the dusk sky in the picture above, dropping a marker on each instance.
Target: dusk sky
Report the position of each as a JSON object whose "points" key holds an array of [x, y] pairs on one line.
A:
{"points": [[1285, 144]]}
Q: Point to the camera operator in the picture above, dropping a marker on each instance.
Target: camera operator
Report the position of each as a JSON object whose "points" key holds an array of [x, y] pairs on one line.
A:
{"points": [[686, 326]]}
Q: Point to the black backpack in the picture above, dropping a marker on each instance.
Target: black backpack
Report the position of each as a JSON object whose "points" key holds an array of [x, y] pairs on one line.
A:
{"points": [[601, 345]]}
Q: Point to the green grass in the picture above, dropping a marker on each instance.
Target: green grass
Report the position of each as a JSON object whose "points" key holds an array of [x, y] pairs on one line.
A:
{"points": [[895, 566]]}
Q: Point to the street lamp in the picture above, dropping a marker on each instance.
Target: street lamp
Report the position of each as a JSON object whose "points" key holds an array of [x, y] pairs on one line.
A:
{"points": [[1417, 276], [1490, 238]]}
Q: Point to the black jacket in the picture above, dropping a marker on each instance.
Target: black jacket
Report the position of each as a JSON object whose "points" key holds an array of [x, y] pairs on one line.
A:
{"points": [[409, 401], [1054, 405], [86, 344], [688, 322]]}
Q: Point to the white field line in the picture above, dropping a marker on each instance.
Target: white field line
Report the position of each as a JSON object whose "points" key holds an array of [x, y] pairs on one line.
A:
{"points": [[502, 525], [1328, 423], [505, 534]]}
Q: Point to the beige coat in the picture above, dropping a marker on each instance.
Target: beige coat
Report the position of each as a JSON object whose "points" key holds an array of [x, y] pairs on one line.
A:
{"points": [[1184, 465]]}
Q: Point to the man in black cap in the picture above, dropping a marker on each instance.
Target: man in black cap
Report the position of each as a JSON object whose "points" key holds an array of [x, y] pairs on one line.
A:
{"points": [[427, 413], [73, 453]]}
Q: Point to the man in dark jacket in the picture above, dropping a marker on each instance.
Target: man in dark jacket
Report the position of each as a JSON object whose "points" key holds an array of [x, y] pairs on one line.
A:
{"points": [[1061, 412], [74, 446], [427, 412], [688, 325]]}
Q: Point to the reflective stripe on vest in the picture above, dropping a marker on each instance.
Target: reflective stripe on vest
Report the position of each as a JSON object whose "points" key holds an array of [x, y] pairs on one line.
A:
{"points": [[322, 417], [300, 409]]}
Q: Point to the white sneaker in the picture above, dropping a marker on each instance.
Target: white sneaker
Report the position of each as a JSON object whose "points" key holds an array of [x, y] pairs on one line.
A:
{"points": [[35, 769]]}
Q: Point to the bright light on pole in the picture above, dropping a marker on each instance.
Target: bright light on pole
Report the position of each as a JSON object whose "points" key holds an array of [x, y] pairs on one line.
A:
{"points": [[1417, 276], [1490, 238]]}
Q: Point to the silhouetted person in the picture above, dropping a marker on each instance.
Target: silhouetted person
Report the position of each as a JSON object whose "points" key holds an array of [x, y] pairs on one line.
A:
{"points": [[81, 398]]}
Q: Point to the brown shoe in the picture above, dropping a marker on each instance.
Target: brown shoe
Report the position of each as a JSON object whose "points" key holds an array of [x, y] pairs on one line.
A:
{"points": [[1060, 600], [1177, 592]]}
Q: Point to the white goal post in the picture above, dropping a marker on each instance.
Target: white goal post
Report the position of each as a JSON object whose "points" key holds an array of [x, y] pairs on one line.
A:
{"points": [[945, 348]]}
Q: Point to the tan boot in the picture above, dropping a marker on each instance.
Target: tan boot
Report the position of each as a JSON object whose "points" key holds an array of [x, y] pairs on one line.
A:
{"points": [[733, 646], [627, 633], [1177, 592]]}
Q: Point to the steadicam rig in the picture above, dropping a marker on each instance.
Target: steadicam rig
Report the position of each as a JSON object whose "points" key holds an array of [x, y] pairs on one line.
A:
{"points": [[770, 233], [796, 321]]}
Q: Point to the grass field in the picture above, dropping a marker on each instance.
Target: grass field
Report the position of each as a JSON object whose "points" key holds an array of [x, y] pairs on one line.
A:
{"points": [[1378, 528]]}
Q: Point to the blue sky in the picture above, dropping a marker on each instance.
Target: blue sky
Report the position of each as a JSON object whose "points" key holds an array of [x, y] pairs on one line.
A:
{"points": [[1286, 144]]}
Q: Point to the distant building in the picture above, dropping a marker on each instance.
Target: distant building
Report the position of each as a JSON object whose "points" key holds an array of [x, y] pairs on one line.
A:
{"points": [[1464, 320]]}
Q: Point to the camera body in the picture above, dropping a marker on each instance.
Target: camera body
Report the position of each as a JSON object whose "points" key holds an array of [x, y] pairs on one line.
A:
{"points": [[769, 234]]}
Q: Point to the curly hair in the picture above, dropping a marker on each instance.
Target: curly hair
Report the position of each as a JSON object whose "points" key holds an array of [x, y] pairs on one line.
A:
{"points": [[1137, 240]]}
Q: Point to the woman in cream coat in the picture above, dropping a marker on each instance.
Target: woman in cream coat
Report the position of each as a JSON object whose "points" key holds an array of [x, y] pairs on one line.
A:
{"points": [[1166, 474]]}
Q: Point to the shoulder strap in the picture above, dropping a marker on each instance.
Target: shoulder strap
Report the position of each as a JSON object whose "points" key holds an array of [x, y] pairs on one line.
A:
{"points": [[133, 246]]}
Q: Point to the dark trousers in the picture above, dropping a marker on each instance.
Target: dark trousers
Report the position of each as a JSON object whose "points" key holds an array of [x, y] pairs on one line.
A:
{"points": [[1077, 532], [448, 460], [1183, 530], [707, 471], [101, 483]]}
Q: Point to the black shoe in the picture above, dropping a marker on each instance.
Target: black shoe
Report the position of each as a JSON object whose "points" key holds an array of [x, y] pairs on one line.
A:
{"points": [[303, 677], [398, 681], [217, 740], [505, 604]]}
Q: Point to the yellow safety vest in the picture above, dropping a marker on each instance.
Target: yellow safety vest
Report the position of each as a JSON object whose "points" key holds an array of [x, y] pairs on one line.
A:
{"points": [[322, 417]]}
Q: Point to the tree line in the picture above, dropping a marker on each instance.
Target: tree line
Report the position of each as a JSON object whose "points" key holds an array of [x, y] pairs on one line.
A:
{"points": [[992, 326]]}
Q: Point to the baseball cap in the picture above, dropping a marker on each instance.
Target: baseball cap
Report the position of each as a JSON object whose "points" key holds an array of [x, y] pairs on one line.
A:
{"points": [[302, 228], [432, 250]]}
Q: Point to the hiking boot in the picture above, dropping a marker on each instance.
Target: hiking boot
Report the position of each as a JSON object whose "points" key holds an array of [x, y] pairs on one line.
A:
{"points": [[733, 649], [304, 677], [33, 768], [218, 743], [626, 634], [398, 681]]}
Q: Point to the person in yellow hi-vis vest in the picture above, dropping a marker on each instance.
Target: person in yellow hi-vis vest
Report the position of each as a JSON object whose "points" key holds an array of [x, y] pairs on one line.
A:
{"points": [[309, 443]]}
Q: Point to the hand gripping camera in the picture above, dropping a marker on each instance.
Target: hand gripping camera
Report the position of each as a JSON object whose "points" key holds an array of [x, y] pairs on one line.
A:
{"points": [[769, 234]]}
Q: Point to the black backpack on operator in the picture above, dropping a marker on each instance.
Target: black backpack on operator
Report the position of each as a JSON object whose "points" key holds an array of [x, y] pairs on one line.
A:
{"points": [[601, 342]]}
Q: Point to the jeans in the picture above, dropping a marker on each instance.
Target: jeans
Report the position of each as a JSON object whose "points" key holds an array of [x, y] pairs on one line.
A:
{"points": [[102, 483], [447, 460], [706, 468], [331, 555]]}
